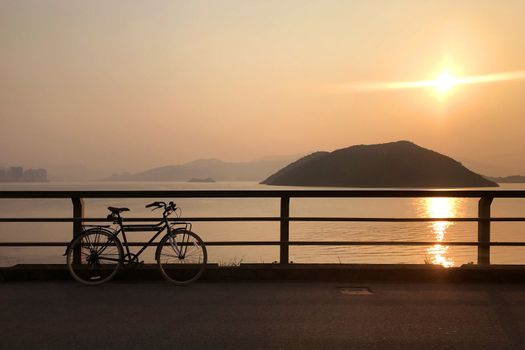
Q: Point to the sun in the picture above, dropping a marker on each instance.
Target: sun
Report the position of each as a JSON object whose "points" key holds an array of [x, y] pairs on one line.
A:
{"points": [[444, 82]]}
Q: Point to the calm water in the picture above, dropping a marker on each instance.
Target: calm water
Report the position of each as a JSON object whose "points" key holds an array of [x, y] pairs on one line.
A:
{"points": [[417, 207]]}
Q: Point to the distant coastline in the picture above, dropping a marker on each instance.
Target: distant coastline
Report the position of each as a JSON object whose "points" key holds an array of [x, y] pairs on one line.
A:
{"points": [[214, 169], [513, 179]]}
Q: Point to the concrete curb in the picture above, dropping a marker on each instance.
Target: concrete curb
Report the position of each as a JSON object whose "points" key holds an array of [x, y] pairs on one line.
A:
{"points": [[298, 272]]}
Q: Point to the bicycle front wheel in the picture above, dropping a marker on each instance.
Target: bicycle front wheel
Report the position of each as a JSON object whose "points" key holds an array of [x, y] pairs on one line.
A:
{"points": [[181, 257], [94, 257]]}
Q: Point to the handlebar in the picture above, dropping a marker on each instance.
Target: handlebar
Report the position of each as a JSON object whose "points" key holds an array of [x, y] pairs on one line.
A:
{"points": [[167, 207], [156, 204]]}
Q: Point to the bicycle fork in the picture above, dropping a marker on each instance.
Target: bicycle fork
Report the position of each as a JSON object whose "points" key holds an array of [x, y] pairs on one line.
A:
{"points": [[184, 245]]}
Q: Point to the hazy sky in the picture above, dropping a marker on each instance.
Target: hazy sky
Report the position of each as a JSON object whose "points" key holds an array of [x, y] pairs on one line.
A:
{"points": [[128, 85]]}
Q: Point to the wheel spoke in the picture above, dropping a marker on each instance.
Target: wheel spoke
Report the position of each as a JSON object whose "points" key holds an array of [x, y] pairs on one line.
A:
{"points": [[109, 259], [171, 256]]}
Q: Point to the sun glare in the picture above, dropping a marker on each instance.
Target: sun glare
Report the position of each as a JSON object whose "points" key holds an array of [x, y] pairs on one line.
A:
{"points": [[440, 208], [444, 82]]}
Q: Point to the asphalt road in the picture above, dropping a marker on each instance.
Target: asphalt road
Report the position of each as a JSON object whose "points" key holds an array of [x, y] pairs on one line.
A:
{"points": [[261, 315]]}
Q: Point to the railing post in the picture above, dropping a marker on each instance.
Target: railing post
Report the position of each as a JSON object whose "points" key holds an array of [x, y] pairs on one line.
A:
{"points": [[285, 230], [78, 213], [484, 230]]}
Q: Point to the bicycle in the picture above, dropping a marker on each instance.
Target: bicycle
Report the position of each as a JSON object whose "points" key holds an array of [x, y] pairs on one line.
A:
{"points": [[96, 255]]}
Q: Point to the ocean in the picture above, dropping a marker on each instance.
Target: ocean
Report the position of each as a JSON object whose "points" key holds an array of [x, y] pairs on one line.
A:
{"points": [[318, 231]]}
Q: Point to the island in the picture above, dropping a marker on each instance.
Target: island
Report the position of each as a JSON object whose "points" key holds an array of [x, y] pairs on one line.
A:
{"points": [[195, 179], [400, 164], [513, 179]]}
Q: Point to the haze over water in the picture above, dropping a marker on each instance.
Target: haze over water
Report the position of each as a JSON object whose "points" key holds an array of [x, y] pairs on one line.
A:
{"points": [[299, 231]]}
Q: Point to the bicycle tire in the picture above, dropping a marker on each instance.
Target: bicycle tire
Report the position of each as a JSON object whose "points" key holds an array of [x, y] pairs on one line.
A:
{"points": [[186, 266], [96, 247]]}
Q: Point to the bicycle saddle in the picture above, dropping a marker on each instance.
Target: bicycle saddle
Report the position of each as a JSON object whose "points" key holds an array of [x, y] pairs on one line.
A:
{"points": [[117, 210]]}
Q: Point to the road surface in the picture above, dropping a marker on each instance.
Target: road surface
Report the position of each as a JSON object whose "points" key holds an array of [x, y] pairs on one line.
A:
{"points": [[261, 315]]}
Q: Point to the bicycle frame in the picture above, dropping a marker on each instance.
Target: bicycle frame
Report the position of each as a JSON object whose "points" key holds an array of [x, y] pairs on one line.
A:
{"points": [[157, 228]]}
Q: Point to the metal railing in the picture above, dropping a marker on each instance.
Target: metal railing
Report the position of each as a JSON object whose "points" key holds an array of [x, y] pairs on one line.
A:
{"points": [[483, 219]]}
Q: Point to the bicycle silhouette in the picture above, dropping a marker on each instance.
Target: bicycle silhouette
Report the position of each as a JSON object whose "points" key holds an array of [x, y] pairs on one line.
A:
{"points": [[95, 256]]}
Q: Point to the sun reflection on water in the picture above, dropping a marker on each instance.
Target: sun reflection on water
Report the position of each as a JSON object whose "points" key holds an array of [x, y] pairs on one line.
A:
{"points": [[440, 208]]}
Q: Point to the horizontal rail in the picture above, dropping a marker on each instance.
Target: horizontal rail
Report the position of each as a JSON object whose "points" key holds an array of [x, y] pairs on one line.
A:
{"points": [[454, 219], [139, 219], [397, 193], [298, 243], [265, 218], [483, 219]]}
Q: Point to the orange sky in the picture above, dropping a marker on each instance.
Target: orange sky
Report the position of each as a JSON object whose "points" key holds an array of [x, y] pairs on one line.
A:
{"points": [[127, 85]]}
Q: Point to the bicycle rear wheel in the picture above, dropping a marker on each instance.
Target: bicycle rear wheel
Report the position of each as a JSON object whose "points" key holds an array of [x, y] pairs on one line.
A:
{"points": [[100, 256], [181, 257]]}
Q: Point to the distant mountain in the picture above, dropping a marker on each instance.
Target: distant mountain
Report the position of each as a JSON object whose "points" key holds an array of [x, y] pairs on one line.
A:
{"points": [[513, 179], [395, 164], [210, 168]]}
